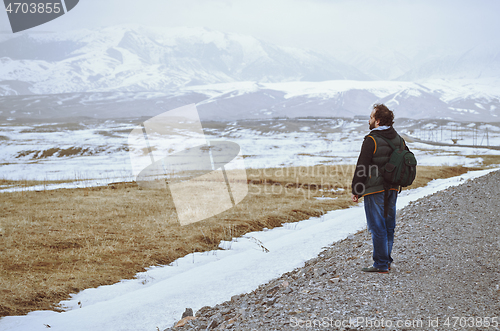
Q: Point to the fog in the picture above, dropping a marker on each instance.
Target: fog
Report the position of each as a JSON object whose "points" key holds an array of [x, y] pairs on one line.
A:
{"points": [[327, 26]]}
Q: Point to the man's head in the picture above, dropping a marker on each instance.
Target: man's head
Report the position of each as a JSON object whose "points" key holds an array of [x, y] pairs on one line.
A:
{"points": [[380, 116]]}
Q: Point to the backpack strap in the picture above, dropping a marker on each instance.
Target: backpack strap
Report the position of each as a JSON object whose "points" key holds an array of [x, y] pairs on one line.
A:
{"points": [[374, 141]]}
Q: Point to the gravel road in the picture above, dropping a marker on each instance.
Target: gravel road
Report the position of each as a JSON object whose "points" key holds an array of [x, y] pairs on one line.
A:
{"points": [[445, 275]]}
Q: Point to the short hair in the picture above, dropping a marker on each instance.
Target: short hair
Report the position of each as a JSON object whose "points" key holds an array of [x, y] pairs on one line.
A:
{"points": [[383, 114]]}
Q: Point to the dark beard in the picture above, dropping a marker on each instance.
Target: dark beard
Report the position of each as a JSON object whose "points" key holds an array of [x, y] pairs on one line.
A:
{"points": [[371, 127]]}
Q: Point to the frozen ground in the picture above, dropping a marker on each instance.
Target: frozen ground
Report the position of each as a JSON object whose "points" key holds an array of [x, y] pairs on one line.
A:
{"points": [[157, 297], [97, 152]]}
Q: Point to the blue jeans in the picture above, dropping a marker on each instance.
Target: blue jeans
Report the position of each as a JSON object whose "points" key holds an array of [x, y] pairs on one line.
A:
{"points": [[381, 228]]}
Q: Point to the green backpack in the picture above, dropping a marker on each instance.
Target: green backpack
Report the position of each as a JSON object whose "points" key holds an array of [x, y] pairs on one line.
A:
{"points": [[402, 166]]}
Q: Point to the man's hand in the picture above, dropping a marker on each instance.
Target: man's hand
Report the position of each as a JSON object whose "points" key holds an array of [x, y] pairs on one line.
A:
{"points": [[355, 197]]}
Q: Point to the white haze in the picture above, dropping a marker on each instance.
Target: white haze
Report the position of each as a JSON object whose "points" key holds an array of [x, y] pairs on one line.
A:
{"points": [[336, 27]]}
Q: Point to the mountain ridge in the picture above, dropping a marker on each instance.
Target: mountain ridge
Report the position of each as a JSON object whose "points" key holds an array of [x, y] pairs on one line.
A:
{"points": [[135, 59], [250, 100]]}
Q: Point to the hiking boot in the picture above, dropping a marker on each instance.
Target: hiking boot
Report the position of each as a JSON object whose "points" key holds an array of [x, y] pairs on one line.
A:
{"points": [[373, 269]]}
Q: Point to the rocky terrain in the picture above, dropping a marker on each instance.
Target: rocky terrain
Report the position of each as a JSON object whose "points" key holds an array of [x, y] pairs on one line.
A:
{"points": [[445, 276]]}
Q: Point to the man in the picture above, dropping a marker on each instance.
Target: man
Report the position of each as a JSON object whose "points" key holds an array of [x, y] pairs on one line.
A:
{"points": [[380, 198]]}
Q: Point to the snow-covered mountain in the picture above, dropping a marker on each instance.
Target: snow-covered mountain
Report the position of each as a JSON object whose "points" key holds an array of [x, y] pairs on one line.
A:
{"points": [[137, 58], [153, 59], [451, 100]]}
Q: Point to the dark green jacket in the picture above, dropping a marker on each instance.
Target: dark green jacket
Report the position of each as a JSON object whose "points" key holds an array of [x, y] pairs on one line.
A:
{"points": [[375, 153]]}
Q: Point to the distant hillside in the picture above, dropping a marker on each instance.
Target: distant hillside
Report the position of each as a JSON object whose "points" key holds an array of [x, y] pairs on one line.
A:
{"points": [[249, 100]]}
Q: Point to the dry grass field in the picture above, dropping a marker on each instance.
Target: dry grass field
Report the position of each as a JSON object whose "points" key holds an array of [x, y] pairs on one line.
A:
{"points": [[57, 242]]}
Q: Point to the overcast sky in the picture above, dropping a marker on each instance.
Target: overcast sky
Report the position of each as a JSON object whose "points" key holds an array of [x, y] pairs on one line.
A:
{"points": [[316, 24]]}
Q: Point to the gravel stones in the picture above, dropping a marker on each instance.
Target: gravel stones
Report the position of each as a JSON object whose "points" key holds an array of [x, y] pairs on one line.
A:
{"points": [[446, 266]]}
